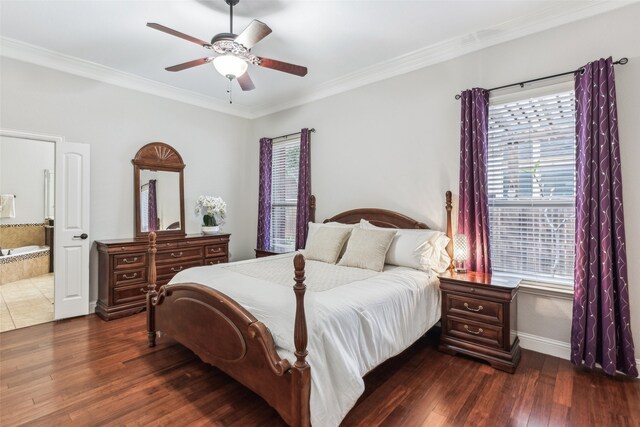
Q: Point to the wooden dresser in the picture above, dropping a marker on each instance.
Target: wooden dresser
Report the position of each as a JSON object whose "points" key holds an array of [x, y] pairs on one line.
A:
{"points": [[479, 314], [122, 268]]}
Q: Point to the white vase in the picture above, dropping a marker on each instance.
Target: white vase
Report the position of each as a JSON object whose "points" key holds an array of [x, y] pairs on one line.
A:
{"points": [[214, 229]]}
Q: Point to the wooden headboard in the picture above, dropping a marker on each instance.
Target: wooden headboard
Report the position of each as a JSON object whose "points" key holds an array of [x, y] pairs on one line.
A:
{"points": [[390, 219], [378, 217]]}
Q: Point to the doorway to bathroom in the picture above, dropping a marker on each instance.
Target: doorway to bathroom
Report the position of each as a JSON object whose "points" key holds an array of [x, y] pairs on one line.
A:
{"points": [[43, 263]]}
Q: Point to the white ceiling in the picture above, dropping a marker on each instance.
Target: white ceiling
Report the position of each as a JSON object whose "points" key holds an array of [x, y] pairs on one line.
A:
{"points": [[344, 43]]}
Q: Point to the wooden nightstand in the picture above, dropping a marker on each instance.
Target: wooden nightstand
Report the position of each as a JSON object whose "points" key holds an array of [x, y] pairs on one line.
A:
{"points": [[266, 252], [479, 318]]}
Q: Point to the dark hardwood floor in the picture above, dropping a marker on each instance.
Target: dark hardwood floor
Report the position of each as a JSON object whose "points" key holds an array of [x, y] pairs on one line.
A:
{"points": [[85, 371]]}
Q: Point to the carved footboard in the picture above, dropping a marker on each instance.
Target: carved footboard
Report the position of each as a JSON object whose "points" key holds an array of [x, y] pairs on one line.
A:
{"points": [[224, 334]]}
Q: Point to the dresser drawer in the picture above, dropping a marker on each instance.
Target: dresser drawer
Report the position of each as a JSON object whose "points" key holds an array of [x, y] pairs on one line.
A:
{"points": [[133, 260], [218, 260], [178, 255], [170, 270], [124, 294], [130, 277], [480, 333], [474, 308], [219, 250]]}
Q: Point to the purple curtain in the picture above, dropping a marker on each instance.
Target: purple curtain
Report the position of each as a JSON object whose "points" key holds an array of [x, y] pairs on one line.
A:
{"points": [[473, 210], [303, 212], [152, 207], [600, 331], [264, 195]]}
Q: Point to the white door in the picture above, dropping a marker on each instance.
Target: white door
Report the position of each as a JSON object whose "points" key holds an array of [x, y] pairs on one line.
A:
{"points": [[72, 243]]}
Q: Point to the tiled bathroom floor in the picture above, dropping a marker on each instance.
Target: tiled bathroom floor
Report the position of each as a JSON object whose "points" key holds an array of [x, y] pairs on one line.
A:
{"points": [[26, 302]]}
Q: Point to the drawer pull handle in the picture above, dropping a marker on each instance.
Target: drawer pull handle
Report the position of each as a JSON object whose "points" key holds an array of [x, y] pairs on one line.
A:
{"points": [[176, 269], [473, 309], [478, 332], [215, 250], [133, 276], [176, 256], [126, 260]]}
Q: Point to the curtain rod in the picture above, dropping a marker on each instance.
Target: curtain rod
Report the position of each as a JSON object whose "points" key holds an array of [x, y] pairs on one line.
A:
{"points": [[291, 134], [621, 61]]}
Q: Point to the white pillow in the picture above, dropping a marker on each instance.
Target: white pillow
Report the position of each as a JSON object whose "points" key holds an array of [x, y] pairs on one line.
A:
{"points": [[367, 248], [314, 227], [421, 249], [327, 243]]}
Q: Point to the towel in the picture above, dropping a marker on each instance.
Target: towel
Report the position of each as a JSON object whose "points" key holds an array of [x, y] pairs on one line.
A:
{"points": [[7, 206]]}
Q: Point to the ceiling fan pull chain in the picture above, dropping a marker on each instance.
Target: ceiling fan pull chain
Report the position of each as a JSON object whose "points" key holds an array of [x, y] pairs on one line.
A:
{"points": [[229, 91]]}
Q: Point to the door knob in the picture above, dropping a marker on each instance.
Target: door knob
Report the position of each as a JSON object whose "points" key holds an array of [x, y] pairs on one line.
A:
{"points": [[83, 236]]}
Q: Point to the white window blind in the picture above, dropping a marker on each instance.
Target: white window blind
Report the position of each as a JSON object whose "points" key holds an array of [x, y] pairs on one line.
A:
{"points": [[285, 165], [532, 187]]}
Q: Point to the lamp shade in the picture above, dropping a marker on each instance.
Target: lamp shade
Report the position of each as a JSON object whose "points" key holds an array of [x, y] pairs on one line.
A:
{"points": [[460, 248], [230, 66]]}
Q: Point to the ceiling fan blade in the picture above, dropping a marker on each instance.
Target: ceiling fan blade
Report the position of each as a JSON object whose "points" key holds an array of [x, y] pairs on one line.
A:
{"points": [[298, 70], [178, 34], [254, 32], [245, 82], [190, 64]]}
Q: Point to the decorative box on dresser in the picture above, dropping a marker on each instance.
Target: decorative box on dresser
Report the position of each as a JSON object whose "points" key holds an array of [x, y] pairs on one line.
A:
{"points": [[122, 268], [479, 317]]}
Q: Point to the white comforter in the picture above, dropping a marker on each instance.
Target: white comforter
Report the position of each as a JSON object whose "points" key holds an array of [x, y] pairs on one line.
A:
{"points": [[356, 320]]}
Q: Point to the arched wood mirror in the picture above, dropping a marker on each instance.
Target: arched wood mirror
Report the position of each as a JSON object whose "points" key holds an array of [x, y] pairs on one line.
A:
{"points": [[158, 187]]}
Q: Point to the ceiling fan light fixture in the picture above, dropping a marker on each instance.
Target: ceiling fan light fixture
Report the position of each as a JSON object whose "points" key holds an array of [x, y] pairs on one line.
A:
{"points": [[230, 66]]}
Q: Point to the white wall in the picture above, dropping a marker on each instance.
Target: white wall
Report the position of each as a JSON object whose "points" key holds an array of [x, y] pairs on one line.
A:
{"points": [[116, 122], [22, 167], [394, 144]]}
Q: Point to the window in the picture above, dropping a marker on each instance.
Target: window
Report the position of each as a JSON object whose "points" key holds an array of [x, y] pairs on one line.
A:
{"points": [[285, 163], [532, 186]]}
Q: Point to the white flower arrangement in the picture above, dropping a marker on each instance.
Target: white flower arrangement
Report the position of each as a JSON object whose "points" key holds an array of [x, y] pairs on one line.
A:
{"points": [[214, 210]]}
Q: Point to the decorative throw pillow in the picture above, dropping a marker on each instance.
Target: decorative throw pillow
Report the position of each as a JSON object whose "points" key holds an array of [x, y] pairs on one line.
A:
{"points": [[315, 226], [416, 248], [367, 248], [327, 243]]}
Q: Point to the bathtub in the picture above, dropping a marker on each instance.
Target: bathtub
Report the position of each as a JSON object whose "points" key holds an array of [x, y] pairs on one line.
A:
{"points": [[23, 251], [23, 262]]}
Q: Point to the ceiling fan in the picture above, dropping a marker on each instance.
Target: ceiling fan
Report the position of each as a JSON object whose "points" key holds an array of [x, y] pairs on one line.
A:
{"points": [[234, 51]]}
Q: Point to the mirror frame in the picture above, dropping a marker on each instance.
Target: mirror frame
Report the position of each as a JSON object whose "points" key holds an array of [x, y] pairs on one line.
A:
{"points": [[157, 156]]}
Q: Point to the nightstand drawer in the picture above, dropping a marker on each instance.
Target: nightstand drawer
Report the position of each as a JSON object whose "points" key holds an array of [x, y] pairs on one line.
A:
{"points": [[480, 333], [474, 308], [478, 290]]}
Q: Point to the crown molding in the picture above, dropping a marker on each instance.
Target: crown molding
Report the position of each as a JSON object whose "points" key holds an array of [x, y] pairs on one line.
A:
{"points": [[26, 52], [554, 15]]}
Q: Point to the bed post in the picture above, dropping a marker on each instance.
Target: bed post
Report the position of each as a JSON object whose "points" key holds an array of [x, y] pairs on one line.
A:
{"points": [[151, 291], [449, 207], [301, 380]]}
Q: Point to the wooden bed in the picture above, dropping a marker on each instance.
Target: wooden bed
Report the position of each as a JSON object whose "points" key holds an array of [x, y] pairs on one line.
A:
{"points": [[224, 334]]}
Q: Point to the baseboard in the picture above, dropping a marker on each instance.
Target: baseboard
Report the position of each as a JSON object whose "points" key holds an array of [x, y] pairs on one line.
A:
{"points": [[548, 346], [92, 306], [545, 345]]}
